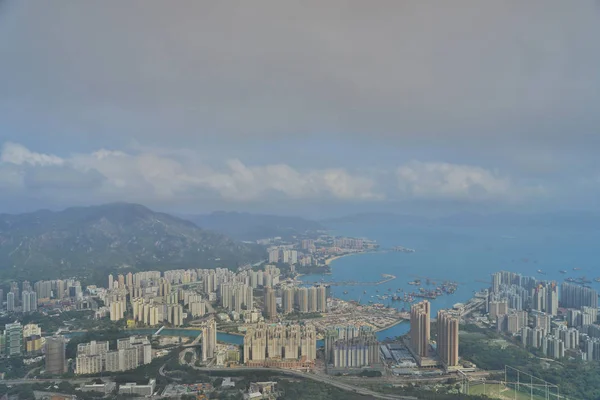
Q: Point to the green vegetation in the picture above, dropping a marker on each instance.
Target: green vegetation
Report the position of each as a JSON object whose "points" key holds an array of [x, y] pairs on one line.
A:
{"points": [[490, 354], [485, 348], [297, 316], [300, 390], [75, 320], [499, 391], [109, 335], [313, 269], [14, 367], [437, 392], [90, 242]]}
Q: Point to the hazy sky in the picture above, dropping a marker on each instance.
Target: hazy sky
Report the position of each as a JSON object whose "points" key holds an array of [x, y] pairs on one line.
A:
{"points": [[302, 107]]}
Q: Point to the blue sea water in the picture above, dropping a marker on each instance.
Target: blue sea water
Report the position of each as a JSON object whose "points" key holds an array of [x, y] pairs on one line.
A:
{"points": [[467, 255]]}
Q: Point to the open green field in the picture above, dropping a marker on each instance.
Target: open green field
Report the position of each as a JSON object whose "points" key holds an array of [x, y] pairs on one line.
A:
{"points": [[499, 391]]}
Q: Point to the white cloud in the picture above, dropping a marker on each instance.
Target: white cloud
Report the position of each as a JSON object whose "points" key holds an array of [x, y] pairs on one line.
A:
{"points": [[159, 177], [13, 153], [434, 180], [148, 176]]}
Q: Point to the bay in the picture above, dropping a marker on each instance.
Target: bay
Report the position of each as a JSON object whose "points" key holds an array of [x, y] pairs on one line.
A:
{"points": [[468, 255]]}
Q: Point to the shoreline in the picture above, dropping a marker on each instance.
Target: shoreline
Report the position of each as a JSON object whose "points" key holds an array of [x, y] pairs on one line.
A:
{"points": [[332, 259], [391, 326]]}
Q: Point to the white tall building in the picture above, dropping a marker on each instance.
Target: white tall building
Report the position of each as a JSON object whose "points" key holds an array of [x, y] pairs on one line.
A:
{"points": [[29, 301], [209, 339], [10, 301]]}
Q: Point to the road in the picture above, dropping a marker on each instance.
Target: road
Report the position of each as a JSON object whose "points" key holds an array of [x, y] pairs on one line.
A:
{"points": [[30, 381], [319, 378]]}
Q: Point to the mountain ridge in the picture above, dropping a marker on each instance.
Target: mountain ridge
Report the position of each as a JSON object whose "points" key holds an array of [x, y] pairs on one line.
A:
{"points": [[92, 240], [249, 226]]}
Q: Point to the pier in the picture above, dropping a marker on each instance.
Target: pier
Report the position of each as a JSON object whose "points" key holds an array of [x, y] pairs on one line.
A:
{"points": [[386, 278]]}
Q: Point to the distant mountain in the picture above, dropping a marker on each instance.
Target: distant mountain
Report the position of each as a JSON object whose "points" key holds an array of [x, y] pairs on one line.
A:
{"points": [[382, 217], [93, 240], [570, 220], [245, 226]]}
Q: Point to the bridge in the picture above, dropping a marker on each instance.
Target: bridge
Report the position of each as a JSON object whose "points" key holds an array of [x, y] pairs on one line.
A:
{"points": [[195, 343]]}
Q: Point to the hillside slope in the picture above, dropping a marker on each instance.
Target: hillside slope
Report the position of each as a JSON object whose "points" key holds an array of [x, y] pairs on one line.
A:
{"points": [[87, 240]]}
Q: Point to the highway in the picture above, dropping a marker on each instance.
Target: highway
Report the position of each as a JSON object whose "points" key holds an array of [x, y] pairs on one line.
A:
{"points": [[319, 378]]}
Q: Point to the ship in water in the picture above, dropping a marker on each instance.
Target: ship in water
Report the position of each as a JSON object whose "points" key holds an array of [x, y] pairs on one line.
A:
{"points": [[403, 249], [576, 269], [416, 282], [562, 271], [597, 279], [539, 271]]}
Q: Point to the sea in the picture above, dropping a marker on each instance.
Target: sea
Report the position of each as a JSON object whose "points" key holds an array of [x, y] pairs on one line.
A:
{"points": [[467, 255]]}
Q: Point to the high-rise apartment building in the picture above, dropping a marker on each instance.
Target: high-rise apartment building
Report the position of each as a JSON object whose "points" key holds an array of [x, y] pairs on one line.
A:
{"points": [[287, 300], [270, 303], [575, 296], [302, 299], [312, 299], [552, 299], [420, 328], [351, 348], [278, 345], [274, 256], [29, 301], [13, 336], [10, 302], [55, 348], [321, 298], [209, 339], [447, 337]]}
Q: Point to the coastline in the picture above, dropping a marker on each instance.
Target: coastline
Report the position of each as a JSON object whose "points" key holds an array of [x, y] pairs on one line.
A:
{"points": [[391, 326], [332, 259]]}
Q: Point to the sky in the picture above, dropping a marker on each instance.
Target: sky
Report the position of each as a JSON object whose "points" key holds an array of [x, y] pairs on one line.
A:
{"points": [[301, 107]]}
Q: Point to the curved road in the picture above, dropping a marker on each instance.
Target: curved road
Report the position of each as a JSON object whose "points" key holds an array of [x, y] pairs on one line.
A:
{"points": [[319, 378]]}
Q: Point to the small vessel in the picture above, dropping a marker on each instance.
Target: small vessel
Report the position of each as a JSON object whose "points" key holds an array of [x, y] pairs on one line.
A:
{"points": [[576, 269], [562, 271], [345, 292], [364, 292], [539, 271], [597, 279]]}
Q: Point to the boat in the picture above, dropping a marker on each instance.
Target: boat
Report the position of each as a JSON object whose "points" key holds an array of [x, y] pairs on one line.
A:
{"points": [[597, 279], [539, 271], [562, 271], [416, 282], [576, 269], [364, 292], [403, 249], [346, 292]]}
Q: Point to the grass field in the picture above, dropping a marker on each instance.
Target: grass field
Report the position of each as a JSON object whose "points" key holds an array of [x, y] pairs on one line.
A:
{"points": [[499, 391]]}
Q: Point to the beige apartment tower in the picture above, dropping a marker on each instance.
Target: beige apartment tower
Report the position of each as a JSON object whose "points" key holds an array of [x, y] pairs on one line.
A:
{"points": [[420, 328], [56, 363], [447, 340], [270, 304], [287, 300]]}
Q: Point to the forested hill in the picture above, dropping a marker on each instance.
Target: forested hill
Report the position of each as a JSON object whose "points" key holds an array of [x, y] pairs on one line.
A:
{"points": [[246, 226], [92, 240]]}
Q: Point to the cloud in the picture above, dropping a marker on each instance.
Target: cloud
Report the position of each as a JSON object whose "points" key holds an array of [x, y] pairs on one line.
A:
{"points": [[402, 72], [179, 177], [147, 177], [13, 153], [445, 181]]}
